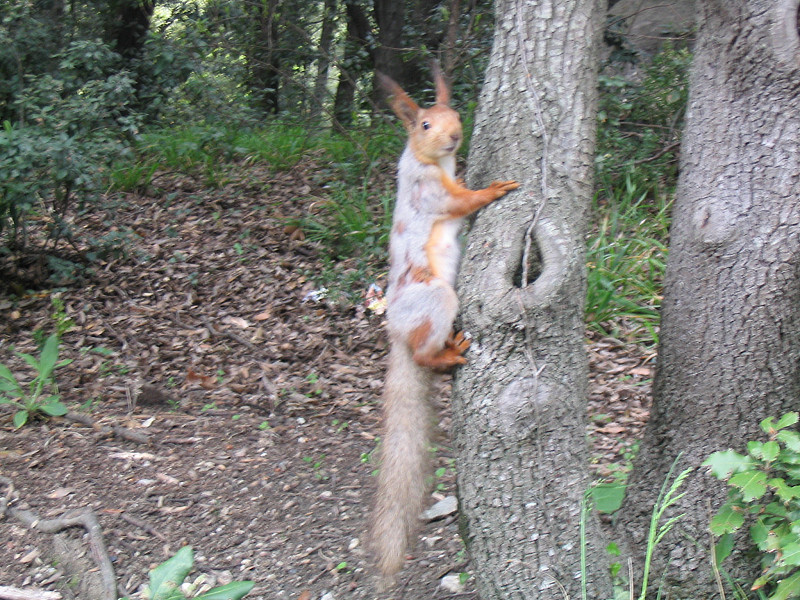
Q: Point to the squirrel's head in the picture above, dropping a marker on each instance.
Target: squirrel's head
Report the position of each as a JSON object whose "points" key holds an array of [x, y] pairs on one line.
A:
{"points": [[434, 132]]}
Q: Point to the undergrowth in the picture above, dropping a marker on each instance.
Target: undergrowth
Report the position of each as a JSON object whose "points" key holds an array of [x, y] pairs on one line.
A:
{"points": [[639, 124]]}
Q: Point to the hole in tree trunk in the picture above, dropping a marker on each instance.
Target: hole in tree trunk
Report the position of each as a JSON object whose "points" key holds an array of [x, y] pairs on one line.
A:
{"points": [[534, 265]]}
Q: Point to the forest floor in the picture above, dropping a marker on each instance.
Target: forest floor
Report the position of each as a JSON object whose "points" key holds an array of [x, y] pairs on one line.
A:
{"points": [[259, 399]]}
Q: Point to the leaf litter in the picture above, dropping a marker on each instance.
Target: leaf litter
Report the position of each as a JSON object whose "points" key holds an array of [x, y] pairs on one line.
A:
{"points": [[260, 393]]}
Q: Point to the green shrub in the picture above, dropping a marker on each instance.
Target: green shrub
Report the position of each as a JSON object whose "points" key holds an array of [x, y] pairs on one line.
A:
{"points": [[764, 494], [55, 157]]}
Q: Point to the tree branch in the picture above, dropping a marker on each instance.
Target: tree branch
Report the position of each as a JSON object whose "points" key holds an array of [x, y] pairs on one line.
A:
{"points": [[85, 519]]}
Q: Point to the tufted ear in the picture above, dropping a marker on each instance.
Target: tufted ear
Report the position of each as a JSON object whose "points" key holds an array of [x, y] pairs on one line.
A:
{"points": [[402, 105], [442, 89]]}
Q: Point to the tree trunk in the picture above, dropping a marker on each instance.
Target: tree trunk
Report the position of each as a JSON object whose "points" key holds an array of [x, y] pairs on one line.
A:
{"points": [[263, 55], [324, 60], [130, 24], [357, 52], [519, 404], [730, 333]]}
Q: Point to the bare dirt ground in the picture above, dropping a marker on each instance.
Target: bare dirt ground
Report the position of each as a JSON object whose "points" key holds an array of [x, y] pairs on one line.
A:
{"points": [[260, 404]]}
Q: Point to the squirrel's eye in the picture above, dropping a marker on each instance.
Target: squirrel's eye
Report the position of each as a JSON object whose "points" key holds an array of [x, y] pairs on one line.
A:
{"points": [[426, 125]]}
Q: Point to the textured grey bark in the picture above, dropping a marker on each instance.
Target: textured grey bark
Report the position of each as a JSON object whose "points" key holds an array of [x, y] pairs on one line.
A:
{"points": [[730, 336], [519, 404]]}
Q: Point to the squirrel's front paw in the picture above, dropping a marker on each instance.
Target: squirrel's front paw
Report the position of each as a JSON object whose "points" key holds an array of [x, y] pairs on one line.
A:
{"points": [[504, 186]]}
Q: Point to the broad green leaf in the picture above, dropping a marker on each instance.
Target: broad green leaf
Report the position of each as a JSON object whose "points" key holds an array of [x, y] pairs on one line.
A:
{"points": [[48, 356], [790, 439], [774, 508], [767, 425], [769, 451], [20, 418], [167, 577], [791, 554], [787, 588], [53, 407], [755, 449], [753, 484], [608, 497], [787, 420], [785, 491], [723, 548], [726, 520], [231, 591], [723, 464]]}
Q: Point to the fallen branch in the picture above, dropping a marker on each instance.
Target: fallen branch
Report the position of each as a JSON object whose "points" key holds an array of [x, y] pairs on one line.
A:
{"points": [[122, 432], [12, 593], [85, 519]]}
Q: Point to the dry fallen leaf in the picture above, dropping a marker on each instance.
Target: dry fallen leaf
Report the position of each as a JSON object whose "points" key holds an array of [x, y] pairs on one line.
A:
{"points": [[206, 381], [60, 493]]}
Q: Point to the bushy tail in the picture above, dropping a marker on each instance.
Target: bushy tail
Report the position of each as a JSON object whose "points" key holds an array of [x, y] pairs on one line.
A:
{"points": [[404, 459]]}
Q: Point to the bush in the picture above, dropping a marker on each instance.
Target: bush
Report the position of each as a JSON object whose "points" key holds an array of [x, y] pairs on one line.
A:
{"points": [[71, 125], [764, 494]]}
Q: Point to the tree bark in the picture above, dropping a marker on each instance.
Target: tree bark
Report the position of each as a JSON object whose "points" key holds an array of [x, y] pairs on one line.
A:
{"points": [[730, 333], [519, 404], [130, 24], [324, 60], [263, 55], [357, 59]]}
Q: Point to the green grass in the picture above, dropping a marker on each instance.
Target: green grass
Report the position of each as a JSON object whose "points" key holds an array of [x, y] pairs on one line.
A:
{"points": [[626, 258]]}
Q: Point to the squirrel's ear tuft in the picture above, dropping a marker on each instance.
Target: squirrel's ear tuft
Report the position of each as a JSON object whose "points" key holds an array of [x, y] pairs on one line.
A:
{"points": [[442, 89], [404, 107]]}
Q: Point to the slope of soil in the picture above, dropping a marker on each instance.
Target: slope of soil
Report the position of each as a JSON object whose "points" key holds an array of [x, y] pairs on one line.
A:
{"points": [[258, 396]]}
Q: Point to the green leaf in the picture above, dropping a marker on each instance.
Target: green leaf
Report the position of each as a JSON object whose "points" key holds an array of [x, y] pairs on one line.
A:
{"points": [[5, 373], [53, 407], [787, 420], [32, 362], [9, 386], [49, 356], [726, 520], [723, 548], [791, 554], [769, 451], [723, 464], [759, 533], [790, 439], [755, 449], [232, 591], [167, 577], [608, 497], [753, 484], [785, 491], [20, 418], [787, 588]]}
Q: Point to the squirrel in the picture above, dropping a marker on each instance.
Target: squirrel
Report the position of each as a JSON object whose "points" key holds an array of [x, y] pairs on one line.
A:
{"points": [[424, 254]]}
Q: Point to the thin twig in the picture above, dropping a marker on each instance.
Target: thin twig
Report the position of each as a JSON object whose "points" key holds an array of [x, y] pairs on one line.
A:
{"points": [[658, 154], [143, 525], [121, 432]]}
